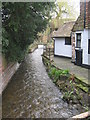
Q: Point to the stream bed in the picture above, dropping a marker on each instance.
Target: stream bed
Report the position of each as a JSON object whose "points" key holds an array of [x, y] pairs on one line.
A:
{"points": [[32, 94]]}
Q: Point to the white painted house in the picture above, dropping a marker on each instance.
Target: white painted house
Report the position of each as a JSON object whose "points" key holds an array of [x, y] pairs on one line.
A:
{"points": [[62, 40], [81, 30]]}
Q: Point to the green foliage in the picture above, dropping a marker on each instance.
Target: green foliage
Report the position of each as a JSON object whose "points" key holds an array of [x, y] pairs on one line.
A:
{"points": [[25, 20], [68, 85], [87, 109], [4, 62], [64, 12], [65, 72], [53, 70], [5, 41], [68, 95], [83, 87], [72, 93], [55, 73]]}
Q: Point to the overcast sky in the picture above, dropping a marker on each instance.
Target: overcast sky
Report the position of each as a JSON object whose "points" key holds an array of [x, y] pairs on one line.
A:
{"points": [[76, 5]]}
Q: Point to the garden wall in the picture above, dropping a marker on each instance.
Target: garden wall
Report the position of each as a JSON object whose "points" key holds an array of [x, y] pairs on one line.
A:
{"points": [[7, 74]]}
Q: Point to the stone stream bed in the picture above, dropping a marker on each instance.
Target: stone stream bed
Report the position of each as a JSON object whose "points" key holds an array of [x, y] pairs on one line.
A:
{"points": [[32, 94]]}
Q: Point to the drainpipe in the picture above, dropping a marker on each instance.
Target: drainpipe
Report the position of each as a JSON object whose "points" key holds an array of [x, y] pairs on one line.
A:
{"points": [[84, 12]]}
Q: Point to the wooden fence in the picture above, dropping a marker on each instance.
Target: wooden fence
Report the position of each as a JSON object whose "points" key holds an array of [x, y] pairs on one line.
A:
{"points": [[48, 52]]}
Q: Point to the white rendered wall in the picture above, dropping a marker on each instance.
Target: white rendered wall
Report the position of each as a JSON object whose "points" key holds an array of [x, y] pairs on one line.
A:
{"points": [[61, 49], [85, 46], [85, 35]]}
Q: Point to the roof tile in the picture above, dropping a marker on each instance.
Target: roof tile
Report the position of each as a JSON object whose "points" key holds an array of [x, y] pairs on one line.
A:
{"points": [[64, 30]]}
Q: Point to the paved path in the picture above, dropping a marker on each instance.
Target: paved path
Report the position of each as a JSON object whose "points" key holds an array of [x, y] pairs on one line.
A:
{"points": [[32, 94], [65, 63]]}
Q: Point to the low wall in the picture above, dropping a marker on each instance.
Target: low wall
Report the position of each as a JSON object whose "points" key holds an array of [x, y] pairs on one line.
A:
{"points": [[7, 74]]}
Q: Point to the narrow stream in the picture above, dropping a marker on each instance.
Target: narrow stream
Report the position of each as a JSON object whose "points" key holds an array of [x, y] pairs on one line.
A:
{"points": [[32, 94]]}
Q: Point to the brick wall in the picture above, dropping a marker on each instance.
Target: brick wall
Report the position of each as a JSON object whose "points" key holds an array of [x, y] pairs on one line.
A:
{"points": [[82, 10], [81, 7], [87, 25], [73, 46]]}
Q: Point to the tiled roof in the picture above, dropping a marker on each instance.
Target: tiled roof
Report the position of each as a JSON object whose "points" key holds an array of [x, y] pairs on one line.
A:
{"points": [[64, 30], [79, 24]]}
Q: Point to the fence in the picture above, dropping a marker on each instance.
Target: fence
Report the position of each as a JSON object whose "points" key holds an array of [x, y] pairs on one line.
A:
{"points": [[48, 52]]}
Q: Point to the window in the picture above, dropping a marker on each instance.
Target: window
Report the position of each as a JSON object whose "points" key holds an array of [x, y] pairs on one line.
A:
{"points": [[78, 41], [67, 41], [89, 46]]}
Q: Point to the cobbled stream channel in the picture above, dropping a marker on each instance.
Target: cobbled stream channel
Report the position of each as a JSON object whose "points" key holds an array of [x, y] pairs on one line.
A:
{"points": [[32, 94]]}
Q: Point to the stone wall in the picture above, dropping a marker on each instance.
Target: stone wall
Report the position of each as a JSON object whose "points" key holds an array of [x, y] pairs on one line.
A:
{"points": [[7, 74]]}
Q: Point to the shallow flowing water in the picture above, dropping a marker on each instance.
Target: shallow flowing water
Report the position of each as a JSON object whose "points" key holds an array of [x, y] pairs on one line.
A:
{"points": [[32, 94]]}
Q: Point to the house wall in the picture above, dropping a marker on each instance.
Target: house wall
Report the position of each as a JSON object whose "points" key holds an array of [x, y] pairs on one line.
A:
{"points": [[85, 35], [85, 46], [61, 49]]}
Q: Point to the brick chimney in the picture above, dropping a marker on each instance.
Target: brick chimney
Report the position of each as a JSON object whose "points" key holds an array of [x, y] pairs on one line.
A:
{"points": [[85, 12], [82, 3]]}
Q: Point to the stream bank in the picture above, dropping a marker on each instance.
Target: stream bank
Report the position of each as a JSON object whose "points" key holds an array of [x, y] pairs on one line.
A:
{"points": [[75, 92]]}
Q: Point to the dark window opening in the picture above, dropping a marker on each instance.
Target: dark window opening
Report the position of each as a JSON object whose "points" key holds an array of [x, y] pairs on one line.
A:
{"points": [[78, 41], [68, 41], [89, 46]]}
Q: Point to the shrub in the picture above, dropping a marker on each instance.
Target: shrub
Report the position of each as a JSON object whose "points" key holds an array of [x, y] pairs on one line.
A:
{"points": [[65, 72], [53, 71], [57, 74]]}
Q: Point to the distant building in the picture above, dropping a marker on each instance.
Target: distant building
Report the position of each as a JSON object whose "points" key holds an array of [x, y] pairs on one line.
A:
{"points": [[72, 39], [62, 40]]}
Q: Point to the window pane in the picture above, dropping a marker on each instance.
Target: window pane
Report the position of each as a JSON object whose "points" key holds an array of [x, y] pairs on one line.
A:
{"points": [[67, 41], [79, 36], [78, 40], [79, 44]]}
